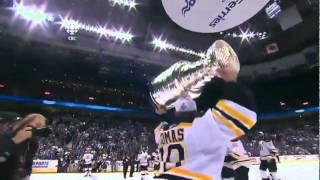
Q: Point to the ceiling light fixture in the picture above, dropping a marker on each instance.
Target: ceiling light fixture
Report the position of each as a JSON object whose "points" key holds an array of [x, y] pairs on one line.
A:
{"points": [[122, 35], [248, 35], [36, 16], [164, 45], [124, 3]]}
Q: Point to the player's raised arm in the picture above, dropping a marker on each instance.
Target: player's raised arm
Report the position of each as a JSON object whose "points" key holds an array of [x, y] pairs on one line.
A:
{"points": [[234, 110], [160, 126], [234, 119]]}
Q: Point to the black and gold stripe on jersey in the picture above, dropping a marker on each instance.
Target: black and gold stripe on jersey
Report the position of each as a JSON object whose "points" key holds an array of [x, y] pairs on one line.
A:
{"points": [[183, 174], [235, 117]]}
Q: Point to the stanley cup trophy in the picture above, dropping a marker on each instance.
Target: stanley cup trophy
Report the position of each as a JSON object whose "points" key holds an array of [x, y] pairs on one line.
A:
{"points": [[188, 78]]}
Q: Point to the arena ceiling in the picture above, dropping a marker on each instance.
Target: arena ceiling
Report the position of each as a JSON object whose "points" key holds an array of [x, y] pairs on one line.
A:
{"points": [[27, 63], [148, 20]]}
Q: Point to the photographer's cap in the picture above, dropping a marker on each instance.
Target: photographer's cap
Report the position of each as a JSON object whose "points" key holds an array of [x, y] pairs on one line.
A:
{"points": [[185, 104]]}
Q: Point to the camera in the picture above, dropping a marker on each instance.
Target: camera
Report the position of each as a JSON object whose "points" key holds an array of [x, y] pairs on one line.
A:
{"points": [[41, 132]]}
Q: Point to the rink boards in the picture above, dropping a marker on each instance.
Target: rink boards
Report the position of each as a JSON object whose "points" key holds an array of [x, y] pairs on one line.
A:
{"points": [[289, 170], [50, 166]]}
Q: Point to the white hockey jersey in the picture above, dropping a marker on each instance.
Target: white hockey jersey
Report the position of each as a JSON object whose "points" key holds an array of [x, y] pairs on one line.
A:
{"points": [[237, 151], [143, 158], [267, 150], [156, 157], [196, 150], [87, 157]]}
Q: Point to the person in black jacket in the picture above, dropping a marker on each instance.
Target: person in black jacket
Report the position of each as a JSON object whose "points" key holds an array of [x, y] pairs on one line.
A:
{"points": [[125, 162], [132, 160], [17, 148]]}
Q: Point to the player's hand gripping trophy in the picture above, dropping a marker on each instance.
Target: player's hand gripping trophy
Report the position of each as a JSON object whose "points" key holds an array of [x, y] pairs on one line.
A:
{"points": [[190, 77]]}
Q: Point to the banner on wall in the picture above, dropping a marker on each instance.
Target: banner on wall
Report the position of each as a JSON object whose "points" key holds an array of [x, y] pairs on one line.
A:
{"points": [[210, 16], [45, 166]]}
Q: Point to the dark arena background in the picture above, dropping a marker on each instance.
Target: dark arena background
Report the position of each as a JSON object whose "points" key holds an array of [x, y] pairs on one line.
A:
{"points": [[87, 66]]}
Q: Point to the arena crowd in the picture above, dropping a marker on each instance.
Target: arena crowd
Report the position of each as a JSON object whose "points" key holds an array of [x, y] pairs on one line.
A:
{"points": [[110, 140]]}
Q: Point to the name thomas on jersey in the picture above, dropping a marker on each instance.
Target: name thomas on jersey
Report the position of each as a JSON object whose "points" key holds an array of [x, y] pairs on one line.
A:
{"points": [[172, 136]]}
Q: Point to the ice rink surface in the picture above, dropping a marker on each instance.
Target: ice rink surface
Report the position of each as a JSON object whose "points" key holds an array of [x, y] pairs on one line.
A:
{"points": [[286, 171]]}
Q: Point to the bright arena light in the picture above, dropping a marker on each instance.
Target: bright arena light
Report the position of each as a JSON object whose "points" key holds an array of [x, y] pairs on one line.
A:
{"points": [[248, 35], [245, 35], [125, 3], [123, 36], [38, 16], [29, 14], [33, 14], [161, 44], [164, 45]]}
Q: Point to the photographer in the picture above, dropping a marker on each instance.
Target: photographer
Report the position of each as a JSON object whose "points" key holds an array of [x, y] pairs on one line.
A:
{"points": [[17, 148]]}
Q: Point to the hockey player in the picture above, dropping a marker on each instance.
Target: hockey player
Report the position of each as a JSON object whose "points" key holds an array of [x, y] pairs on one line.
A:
{"points": [[243, 161], [156, 160], [196, 147], [268, 156], [87, 157], [237, 162], [143, 159], [104, 164]]}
